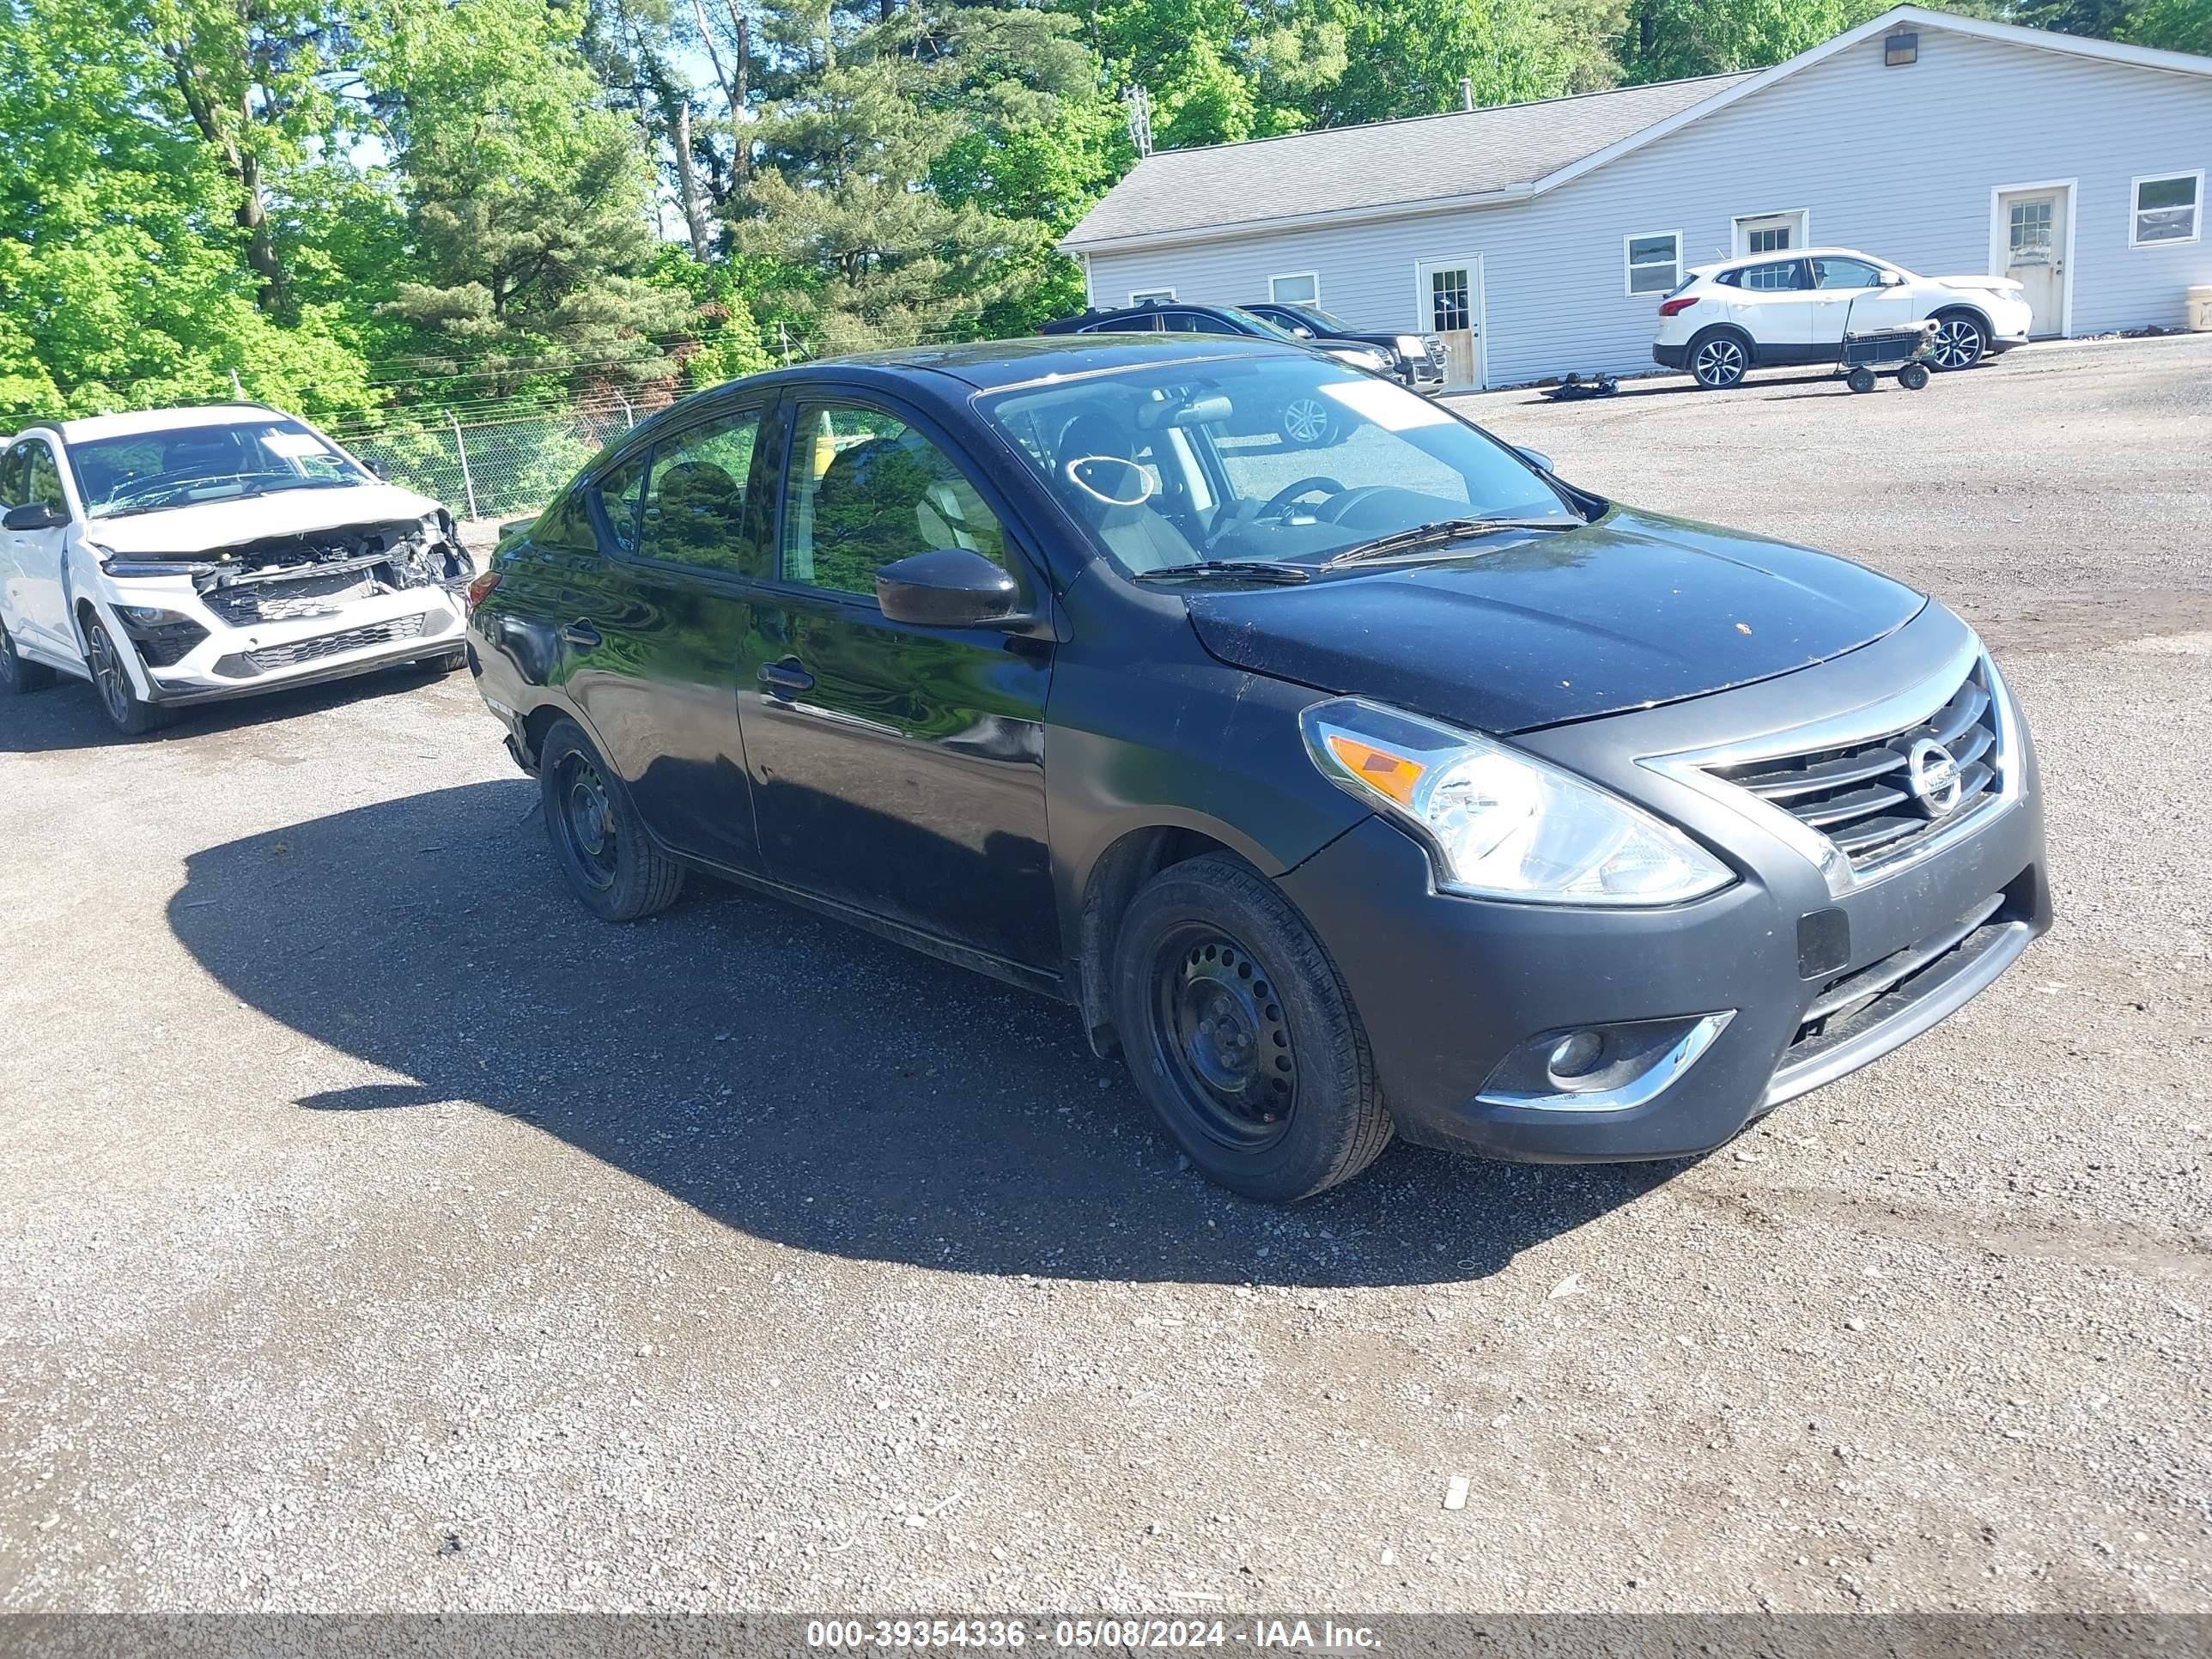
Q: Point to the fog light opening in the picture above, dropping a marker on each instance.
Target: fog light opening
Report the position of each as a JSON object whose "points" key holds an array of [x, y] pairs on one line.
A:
{"points": [[1575, 1056]]}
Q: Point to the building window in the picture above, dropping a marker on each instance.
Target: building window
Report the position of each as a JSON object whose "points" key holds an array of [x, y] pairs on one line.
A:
{"points": [[1772, 232], [2167, 207], [1655, 262], [1151, 296], [1899, 49], [1300, 288]]}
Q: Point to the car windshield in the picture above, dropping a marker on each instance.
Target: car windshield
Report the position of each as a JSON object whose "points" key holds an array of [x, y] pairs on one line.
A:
{"points": [[176, 466], [1285, 459], [1261, 325], [1325, 320]]}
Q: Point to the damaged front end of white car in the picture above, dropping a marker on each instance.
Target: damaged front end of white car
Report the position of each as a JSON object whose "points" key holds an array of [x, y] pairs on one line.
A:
{"points": [[283, 609]]}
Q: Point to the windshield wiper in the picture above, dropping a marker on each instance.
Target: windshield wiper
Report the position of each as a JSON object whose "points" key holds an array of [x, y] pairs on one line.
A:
{"points": [[1443, 530], [1248, 570]]}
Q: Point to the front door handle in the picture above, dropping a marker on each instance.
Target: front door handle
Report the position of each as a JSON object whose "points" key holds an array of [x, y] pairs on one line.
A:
{"points": [[786, 679], [581, 634]]}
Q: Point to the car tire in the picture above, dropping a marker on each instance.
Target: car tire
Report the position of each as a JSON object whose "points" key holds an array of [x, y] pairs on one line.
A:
{"points": [[1307, 423], [1241, 1035], [599, 840], [19, 677], [1720, 359], [126, 711], [446, 662], [1961, 340]]}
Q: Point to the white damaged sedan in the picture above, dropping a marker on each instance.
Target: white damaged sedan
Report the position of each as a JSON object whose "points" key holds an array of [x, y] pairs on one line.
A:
{"points": [[183, 555]]}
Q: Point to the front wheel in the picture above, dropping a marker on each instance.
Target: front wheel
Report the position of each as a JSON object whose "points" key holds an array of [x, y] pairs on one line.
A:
{"points": [[126, 711], [1860, 378], [1719, 361], [1961, 341], [1913, 376], [599, 840], [1241, 1035]]}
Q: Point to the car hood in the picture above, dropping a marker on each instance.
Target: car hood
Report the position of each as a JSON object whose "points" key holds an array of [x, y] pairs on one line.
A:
{"points": [[1630, 612], [204, 526], [1994, 284]]}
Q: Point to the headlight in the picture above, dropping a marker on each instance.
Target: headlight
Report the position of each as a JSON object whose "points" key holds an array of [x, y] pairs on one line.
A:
{"points": [[147, 616], [1358, 356], [1497, 822], [1413, 345]]}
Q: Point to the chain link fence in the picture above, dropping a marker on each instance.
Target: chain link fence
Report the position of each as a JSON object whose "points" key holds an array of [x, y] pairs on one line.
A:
{"points": [[505, 468]]}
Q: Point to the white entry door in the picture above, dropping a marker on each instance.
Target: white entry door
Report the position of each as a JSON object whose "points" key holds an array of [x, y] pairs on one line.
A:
{"points": [[1449, 292], [2032, 231]]}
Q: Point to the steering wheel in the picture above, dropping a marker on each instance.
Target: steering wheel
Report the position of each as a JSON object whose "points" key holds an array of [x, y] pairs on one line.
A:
{"points": [[1334, 510], [1283, 497]]}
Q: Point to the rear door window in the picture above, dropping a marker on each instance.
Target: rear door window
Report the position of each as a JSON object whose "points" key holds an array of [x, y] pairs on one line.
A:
{"points": [[11, 476], [1780, 275], [695, 504]]}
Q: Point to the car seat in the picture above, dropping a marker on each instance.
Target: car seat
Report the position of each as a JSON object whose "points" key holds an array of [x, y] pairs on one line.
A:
{"points": [[1134, 529]]}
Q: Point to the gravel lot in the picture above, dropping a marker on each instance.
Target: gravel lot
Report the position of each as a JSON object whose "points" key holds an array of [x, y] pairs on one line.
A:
{"points": [[376, 1231]]}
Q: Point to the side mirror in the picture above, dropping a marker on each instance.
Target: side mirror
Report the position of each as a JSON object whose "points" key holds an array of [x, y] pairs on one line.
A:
{"points": [[1535, 457], [380, 467], [34, 515], [1893, 279], [947, 587]]}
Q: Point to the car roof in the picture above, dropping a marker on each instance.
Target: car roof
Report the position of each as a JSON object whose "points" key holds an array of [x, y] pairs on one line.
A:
{"points": [[1780, 253], [994, 365], [163, 420]]}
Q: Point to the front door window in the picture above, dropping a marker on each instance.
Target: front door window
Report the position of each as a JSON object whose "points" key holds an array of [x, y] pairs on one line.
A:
{"points": [[866, 489]]}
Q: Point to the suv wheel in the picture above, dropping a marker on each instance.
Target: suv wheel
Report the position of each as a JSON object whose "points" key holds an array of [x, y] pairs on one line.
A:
{"points": [[126, 711], [1720, 361], [1241, 1035], [17, 676], [1960, 340], [1308, 422], [599, 840]]}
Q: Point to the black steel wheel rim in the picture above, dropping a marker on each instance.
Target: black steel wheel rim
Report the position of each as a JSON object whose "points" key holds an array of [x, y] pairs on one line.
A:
{"points": [[107, 674], [1720, 362], [1218, 1029], [1957, 343], [587, 822]]}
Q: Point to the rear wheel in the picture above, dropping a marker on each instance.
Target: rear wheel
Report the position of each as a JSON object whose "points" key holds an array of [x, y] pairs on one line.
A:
{"points": [[1860, 378], [126, 711], [1241, 1035], [1960, 340], [17, 676], [1720, 361], [1913, 376], [599, 840]]}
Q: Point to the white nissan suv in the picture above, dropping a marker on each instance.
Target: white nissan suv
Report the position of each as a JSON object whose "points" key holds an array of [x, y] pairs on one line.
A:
{"points": [[182, 556], [1775, 308]]}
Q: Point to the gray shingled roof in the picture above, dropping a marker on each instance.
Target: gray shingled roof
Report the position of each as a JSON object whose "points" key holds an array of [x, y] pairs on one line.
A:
{"points": [[1466, 153]]}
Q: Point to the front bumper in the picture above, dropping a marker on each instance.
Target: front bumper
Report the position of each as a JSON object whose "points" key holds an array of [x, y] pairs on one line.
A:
{"points": [[237, 660], [1449, 988]]}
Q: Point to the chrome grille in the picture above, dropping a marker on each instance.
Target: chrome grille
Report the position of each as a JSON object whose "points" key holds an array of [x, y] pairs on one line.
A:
{"points": [[1863, 798], [334, 644]]}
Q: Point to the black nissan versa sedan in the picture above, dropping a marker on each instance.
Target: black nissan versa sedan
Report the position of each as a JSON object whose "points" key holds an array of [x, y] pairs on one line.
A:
{"points": [[1407, 789]]}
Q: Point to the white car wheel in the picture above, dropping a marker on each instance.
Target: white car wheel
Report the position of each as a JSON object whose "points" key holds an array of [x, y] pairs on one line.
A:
{"points": [[1719, 361], [1959, 342]]}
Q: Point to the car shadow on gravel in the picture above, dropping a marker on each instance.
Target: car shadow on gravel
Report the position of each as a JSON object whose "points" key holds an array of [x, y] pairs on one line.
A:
{"points": [[64, 717], [787, 1075]]}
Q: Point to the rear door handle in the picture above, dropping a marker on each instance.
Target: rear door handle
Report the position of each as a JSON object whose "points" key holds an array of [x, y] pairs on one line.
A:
{"points": [[581, 634], [786, 679]]}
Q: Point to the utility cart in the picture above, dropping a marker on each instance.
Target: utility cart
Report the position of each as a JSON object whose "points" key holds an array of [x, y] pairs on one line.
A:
{"points": [[1902, 351]]}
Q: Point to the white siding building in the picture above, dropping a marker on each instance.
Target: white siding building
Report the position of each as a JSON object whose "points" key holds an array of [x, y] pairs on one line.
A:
{"points": [[1540, 236]]}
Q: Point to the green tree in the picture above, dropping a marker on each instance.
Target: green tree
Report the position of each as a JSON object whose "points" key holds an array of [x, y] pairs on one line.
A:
{"points": [[530, 203], [846, 196], [1673, 39]]}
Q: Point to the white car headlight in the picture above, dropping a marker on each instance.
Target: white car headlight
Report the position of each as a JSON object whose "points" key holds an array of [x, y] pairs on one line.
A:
{"points": [[1497, 822], [1413, 345]]}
